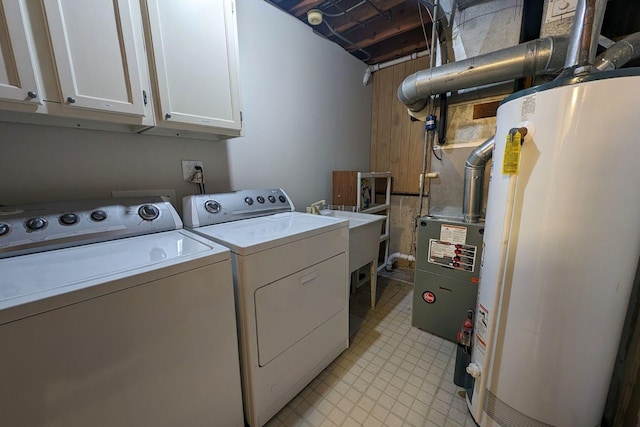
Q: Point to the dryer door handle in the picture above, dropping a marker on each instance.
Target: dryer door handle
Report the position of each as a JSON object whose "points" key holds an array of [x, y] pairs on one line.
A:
{"points": [[308, 279]]}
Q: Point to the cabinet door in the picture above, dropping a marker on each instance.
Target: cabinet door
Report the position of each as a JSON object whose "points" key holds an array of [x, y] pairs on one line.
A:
{"points": [[194, 54], [17, 65], [94, 46]]}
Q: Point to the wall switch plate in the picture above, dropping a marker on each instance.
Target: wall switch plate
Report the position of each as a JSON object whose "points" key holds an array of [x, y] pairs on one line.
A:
{"points": [[189, 172]]}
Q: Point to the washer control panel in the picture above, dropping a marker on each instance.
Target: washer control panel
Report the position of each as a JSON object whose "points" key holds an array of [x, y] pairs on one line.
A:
{"points": [[209, 209], [41, 227]]}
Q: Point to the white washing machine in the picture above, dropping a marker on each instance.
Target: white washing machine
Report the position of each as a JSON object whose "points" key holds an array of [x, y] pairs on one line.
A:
{"points": [[292, 288], [112, 315]]}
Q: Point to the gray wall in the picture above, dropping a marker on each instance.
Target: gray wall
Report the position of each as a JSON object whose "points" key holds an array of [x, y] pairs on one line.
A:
{"points": [[295, 136]]}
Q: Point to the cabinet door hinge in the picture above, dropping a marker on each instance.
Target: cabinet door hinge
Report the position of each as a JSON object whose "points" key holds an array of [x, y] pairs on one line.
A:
{"points": [[144, 96]]}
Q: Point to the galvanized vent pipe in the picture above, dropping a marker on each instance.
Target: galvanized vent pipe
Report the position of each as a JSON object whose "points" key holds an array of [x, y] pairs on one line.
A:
{"points": [[587, 23], [620, 53], [541, 56], [474, 180]]}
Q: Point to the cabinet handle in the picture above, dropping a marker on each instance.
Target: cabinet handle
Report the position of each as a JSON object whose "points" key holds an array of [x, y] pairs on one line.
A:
{"points": [[167, 116], [71, 100], [31, 94]]}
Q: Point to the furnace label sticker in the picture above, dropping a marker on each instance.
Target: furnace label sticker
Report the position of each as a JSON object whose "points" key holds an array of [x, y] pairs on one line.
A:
{"points": [[453, 234], [452, 255], [482, 324]]}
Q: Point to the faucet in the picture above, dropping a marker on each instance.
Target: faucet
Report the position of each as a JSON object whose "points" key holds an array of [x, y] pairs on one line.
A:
{"points": [[315, 207]]}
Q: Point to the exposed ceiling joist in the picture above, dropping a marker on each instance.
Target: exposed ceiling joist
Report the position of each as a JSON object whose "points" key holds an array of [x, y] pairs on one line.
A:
{"points": [[389, 29]]}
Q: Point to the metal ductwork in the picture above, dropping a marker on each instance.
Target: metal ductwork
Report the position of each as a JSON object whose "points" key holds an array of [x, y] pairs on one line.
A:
{"points": [[547, 55], [474, 180], [620, 53], [541, 56]]}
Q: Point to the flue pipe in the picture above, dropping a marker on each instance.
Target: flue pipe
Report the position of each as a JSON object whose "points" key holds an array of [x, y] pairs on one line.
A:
{"points": [[585, 32], [620, 53], [474, 180], [541, 56]]}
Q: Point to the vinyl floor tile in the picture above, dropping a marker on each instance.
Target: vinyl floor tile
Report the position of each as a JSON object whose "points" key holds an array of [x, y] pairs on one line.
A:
{"points": [[392, 374]]}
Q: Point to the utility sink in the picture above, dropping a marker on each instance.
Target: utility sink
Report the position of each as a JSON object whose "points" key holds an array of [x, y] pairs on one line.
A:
{"points": [[364, 242]]}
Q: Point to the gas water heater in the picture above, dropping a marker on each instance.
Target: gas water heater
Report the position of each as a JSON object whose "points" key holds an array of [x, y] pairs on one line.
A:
{"points": [[561, 246]]}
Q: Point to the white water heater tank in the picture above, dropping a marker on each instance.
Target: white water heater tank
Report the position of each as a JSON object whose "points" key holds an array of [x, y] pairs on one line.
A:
{"points": [[562, 243]]}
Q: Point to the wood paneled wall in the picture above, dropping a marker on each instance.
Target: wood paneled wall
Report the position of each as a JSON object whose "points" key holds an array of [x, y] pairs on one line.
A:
{"points": [[396, 141]]}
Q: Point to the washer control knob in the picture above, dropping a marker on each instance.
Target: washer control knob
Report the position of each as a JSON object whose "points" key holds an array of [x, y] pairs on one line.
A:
{"points": [[99, 215], [4, 229], [37, 223], [260, 199], [248, 200], [69, 219], [272, 199], [148, 212], [282, 199], [212, 206]]}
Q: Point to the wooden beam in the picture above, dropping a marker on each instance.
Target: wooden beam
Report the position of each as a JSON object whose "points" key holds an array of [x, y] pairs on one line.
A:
{"points": [[488, 109], [406, 43], [364, 13], [305, 5], [403, 20]]}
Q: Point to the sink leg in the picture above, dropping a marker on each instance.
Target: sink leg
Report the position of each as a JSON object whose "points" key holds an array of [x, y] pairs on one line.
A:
{"points": [[374, 280], [353, 282]]}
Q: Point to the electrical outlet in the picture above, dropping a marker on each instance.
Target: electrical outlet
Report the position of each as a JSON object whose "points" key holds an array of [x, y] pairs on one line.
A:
{"points": [[189, 171]]}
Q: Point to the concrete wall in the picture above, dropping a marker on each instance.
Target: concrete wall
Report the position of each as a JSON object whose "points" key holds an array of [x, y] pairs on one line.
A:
{"points": [[294, 135]]}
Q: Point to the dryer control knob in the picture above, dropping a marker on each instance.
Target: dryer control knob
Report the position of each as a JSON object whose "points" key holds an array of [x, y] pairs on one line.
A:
{"points": [[4, 229], [98, 215], [37, 223], [148, 212], [69, 219], [212, 206]]}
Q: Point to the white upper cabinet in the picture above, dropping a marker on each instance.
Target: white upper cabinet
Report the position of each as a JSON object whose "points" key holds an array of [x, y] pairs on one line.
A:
{"points": [[166, 67], [18, 81], [97, 55], [194, 62]]}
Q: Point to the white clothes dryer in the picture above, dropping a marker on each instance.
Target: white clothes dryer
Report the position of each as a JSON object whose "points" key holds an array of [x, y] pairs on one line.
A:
{"points": [[112, 315], [291, 279]]}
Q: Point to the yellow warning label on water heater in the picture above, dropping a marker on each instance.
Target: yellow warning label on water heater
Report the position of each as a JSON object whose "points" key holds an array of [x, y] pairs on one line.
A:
{"points": [[511, 161]]}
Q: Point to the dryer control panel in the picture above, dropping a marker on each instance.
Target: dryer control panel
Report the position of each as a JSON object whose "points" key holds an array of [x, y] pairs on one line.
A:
{"points": [[41, 227], [208, 209]]}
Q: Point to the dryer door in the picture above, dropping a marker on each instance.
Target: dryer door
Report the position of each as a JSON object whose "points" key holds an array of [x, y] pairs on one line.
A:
{"points": [[289, 309]]}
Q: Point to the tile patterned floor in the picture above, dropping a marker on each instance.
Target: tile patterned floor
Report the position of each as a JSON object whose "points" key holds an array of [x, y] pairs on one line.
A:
{"points": [[392, 374]]}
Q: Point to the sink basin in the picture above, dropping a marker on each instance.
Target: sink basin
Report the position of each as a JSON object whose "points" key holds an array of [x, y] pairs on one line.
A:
{"points": [[364, 237], [364, 244]]}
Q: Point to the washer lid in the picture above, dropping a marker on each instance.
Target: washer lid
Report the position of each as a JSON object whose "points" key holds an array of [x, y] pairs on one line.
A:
{"points": [[34, 277], [257, 234]]}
